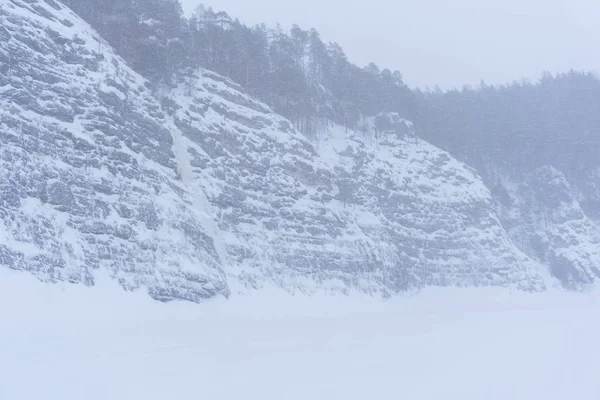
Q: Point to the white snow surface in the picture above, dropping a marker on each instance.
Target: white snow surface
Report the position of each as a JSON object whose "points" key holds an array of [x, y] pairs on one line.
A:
{"points": [[64, 342]]}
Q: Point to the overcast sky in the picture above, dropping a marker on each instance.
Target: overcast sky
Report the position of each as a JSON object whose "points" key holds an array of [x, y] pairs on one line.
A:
{"points": [[445, 42]]}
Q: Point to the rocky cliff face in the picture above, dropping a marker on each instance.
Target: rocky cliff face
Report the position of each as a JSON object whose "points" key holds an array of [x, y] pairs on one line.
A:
{"points": [[433, 210], [87, 172], [207, 189], [379, 210], [545, 219]]}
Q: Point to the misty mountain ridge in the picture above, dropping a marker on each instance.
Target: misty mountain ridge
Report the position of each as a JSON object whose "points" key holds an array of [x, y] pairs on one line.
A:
{"points": [[246, 157]]}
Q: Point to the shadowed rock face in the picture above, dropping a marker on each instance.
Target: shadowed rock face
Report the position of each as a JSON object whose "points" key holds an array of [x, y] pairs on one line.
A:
{"points": [[87, 174], [208, 189], [546, 220]]}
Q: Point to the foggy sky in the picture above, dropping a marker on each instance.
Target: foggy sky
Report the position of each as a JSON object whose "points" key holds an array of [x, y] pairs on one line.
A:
{"points": [[451, 42]]}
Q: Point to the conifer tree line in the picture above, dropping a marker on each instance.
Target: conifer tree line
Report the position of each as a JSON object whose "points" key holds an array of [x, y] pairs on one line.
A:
{"points": [[510, 130], [515, 127], [296, 72], [148, 34]]}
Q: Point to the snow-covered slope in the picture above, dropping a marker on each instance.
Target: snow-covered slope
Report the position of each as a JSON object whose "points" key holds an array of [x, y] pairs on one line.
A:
{"points": [[209, 190], [87, 176], [547, 222]]}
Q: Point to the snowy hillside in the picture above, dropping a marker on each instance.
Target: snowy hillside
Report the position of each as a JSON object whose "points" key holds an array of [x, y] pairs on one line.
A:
{"points": [[207, 190]]}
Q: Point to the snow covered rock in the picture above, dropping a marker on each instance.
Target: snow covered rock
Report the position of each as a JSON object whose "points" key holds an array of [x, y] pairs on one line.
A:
{"points": [[432, 209], [87, 175], [273, 197], [380, 217], [548, 223], [207, 190]]}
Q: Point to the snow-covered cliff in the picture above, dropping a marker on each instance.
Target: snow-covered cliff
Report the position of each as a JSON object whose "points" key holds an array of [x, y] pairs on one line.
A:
{"points": [[207, 190], [547, 222], [380, 210], [87, 175]]}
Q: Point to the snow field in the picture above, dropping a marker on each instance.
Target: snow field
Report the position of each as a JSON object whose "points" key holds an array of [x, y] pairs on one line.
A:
{"points": [[72, 342]]}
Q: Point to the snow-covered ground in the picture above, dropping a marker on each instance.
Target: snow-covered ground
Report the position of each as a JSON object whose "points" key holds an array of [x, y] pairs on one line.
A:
{"points": [[71, 342]]}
